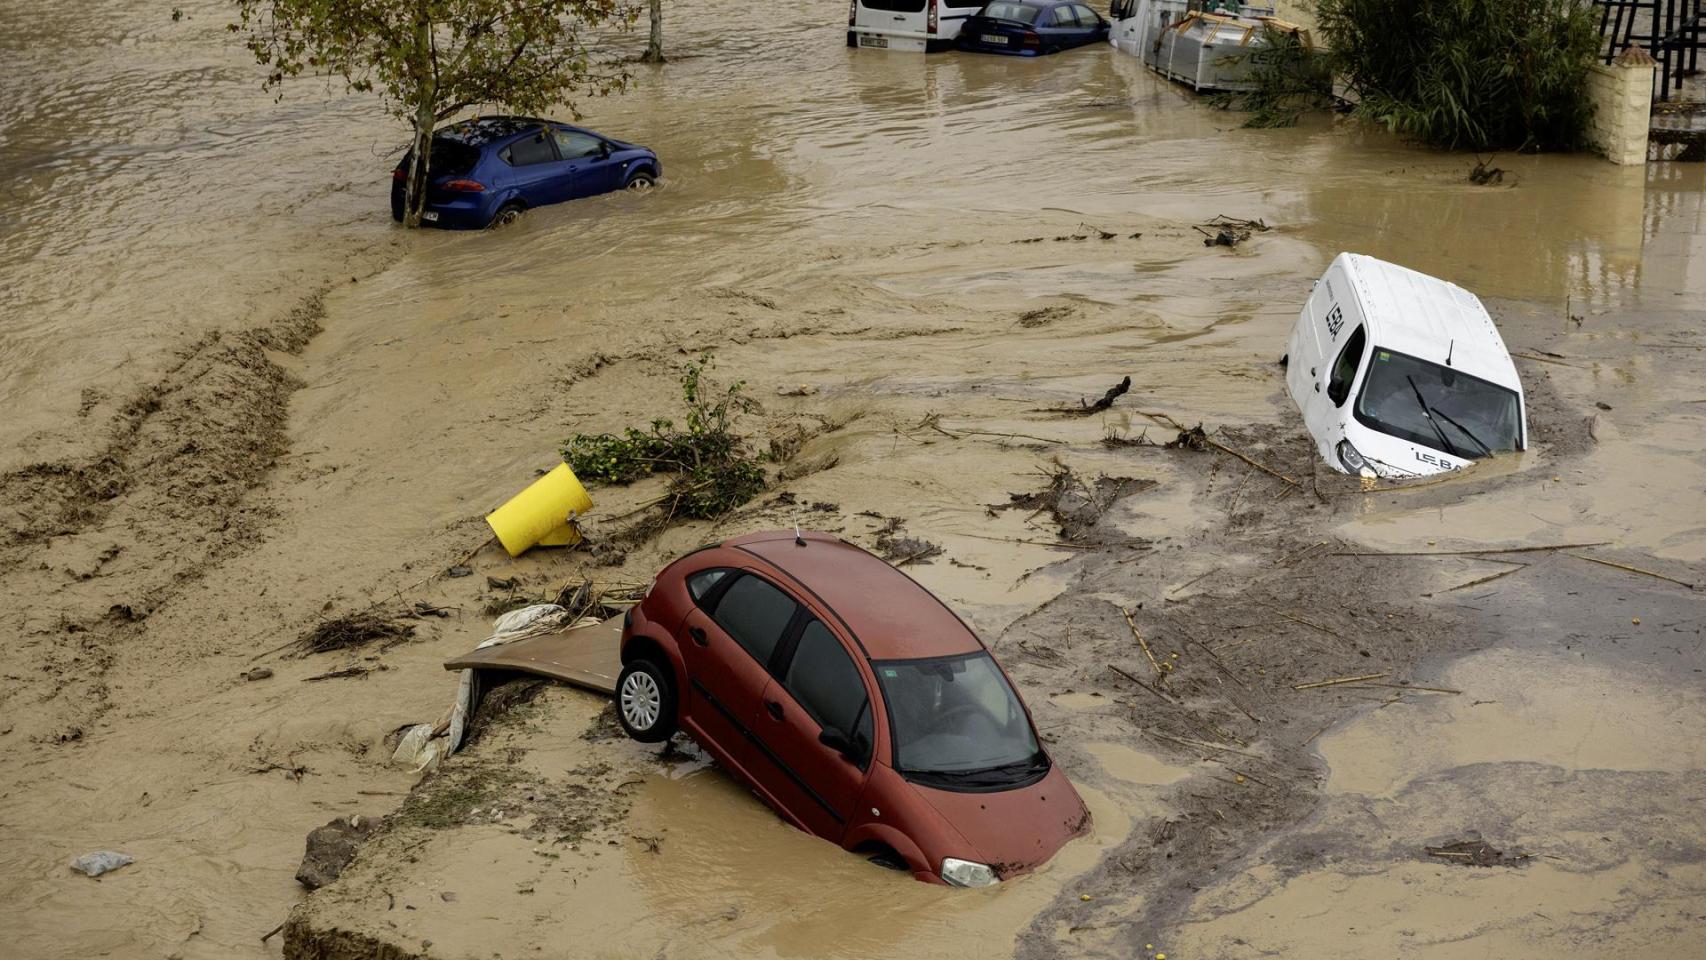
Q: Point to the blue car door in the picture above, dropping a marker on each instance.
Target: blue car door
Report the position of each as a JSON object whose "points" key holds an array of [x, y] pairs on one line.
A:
{"points": [[587, 157], [536, 171], [1059, 27], [1093, 28]]}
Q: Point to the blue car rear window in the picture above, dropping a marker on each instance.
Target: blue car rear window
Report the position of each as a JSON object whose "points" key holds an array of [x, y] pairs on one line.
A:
{"points": [[449, 158], [1022, 12]]}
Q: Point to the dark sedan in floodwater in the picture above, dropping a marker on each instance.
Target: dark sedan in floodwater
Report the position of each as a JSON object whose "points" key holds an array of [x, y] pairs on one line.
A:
{"points": [[485, 171], [1029, 28]]}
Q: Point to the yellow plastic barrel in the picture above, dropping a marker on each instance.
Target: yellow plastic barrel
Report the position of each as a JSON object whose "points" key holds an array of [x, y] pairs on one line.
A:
{"points": [[540, 515]]}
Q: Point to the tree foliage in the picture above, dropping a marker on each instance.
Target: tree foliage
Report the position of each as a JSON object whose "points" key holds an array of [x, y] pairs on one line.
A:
{"points": [[713, 470], [429, 59], [1290, 78], [1468, 74]]}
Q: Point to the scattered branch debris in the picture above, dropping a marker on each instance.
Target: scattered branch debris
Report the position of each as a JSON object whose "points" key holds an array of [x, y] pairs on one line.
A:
{"points": [[1196, 438], [1086, 408], [1161, 669], [1075, 506], [1483, 175], [1336, 681], [713, 471], [354, 630], [900, 550], [1225, 231], [338, 674], [1476, 852], [1630, 569]]}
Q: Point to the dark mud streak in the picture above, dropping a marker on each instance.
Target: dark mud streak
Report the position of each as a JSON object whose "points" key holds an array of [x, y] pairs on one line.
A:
{"points": [[170, 483], [1289, 622]]}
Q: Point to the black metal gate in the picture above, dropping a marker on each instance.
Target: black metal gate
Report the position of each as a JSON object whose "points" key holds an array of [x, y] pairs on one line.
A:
{"points": [[1670, 30]]}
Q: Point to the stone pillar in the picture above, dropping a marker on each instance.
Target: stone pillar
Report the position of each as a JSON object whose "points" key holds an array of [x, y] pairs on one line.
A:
{"points": [[1622, 97]]}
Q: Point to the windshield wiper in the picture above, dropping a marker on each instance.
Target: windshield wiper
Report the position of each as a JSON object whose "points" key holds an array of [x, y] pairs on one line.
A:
{"points": [[987, 776], [1447, 418], [1429, 414]]}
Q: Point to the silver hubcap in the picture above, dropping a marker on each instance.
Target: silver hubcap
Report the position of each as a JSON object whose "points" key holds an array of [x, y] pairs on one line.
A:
{"points": [[641, 702], [639, 183]]}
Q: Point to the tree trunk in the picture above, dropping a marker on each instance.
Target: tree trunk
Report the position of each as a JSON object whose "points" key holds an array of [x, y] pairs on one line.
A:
{"points": [[654, 47], [414, 193]]}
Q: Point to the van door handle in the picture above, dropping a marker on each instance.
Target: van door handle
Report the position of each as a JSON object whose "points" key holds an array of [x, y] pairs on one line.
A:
{"points": [[698, 636], [774, 708], [900, 18]]}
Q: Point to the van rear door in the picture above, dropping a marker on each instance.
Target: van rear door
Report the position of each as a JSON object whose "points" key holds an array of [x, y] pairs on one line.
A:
{"points": [[896, 24]]}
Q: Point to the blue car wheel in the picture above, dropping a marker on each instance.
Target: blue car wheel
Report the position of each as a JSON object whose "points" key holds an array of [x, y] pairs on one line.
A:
{"points": [[507, 214]]}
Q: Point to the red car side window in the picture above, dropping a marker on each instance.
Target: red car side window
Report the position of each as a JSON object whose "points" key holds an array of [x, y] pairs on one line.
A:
{"points": [[823, 678], [755, 614]]}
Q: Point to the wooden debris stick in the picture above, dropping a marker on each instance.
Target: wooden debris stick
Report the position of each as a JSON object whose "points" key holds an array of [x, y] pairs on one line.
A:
{"points": [[1215, 659], [1403, 686], [1160, 674], [1644, 573], [1140, 683], [1249, 776], [1310, 623], [1469, 553], [1166, 420], [1339, 680], [1488, 579], [1300, 554], [1193, 581]]}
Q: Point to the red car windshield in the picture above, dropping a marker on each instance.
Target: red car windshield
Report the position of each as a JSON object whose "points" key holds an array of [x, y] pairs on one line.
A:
{"points": [[957, 719]]}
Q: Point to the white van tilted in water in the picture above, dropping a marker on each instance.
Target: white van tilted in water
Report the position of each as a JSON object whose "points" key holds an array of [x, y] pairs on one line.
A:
{"points": [[1399, 374], [916, 25]]}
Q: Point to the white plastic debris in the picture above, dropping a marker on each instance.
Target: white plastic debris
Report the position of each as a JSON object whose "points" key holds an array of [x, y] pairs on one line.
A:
{"points": [[419, 747], [101, 861]]}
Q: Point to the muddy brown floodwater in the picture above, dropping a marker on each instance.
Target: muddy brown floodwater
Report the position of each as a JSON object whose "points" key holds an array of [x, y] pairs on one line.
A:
{"points": [[240, 400]]}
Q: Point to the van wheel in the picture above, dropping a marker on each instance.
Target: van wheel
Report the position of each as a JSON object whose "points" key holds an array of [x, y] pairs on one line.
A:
{"points": [[645, 702], [640, 180], [506, 215]]}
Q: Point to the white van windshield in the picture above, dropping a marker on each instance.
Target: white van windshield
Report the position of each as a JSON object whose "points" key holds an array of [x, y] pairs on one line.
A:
{"points": [[1438, 407]]}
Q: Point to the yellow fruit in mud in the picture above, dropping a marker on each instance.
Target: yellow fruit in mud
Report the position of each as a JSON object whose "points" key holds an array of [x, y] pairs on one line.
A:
{"points": [[1084, 896], [1635, 620]]}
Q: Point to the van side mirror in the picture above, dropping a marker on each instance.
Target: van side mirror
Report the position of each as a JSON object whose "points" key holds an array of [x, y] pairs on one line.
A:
{"points": [[603, 150]]}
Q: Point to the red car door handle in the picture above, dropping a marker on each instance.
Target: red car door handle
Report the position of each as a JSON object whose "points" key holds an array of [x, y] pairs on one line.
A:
{"points": [[774, 708], [698, 636]]}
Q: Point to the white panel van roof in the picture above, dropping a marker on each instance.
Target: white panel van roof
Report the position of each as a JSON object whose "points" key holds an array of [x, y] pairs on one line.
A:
{"points": [[1425, 317]]}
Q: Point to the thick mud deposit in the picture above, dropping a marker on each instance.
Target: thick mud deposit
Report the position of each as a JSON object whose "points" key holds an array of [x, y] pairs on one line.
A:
{"points": [[244, 403]]}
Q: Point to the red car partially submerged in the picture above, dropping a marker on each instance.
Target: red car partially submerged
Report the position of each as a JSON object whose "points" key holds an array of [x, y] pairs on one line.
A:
{"points": [[852, 700]]}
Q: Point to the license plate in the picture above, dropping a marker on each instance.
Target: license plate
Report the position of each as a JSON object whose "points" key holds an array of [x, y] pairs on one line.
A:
{"points": [[429, 216], [866, 40], [992, 38]]}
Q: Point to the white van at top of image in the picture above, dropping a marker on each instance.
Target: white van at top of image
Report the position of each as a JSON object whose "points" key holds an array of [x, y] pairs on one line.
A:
{"points": [[1399, 374], [915, 25]]}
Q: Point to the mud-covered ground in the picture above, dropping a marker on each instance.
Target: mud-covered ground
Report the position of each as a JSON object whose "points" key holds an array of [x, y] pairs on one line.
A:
{"points": [[252, 406]]}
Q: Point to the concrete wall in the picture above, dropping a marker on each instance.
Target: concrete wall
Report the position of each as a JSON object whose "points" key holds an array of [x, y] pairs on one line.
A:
{"points": [[1622, 96]]}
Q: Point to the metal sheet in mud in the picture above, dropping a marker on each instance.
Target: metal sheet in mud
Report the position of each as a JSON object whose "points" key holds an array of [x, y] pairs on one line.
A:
{"points": [[586, 657]]}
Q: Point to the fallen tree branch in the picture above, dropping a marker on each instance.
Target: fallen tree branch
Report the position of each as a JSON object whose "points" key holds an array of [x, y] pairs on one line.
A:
{"points": [[1625, 566], [1336, 681], [1160, 674]]}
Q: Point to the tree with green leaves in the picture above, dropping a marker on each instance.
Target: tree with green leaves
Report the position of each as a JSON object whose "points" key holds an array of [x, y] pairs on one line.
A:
{"points": [[429, 59], [1475, 74]]}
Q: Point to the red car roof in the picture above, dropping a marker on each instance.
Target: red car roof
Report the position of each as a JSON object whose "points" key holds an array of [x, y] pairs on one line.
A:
{"points": [[893, 617]]}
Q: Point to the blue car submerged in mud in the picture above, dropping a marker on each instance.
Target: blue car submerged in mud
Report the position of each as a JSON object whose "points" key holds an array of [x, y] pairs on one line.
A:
{"points": [[1029, 28], [486, 171]]}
